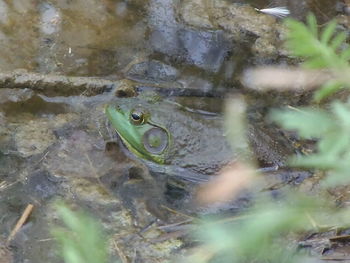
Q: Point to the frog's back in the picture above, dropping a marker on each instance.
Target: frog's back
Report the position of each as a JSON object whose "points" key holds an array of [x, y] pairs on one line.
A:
{"points": [[198, 142]]}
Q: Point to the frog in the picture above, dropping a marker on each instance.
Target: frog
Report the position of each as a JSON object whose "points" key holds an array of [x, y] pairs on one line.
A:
{"points": [[173, 139]]}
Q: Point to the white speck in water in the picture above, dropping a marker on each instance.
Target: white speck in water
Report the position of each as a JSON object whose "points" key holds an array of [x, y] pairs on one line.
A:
{"points": [[70, 50], [279, 12], [50, 19]]}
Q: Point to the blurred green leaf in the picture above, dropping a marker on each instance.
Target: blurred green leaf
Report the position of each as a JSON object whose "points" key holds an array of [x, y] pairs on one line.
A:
{"points": [[328, 89], [345, 54], [331, 128], [258, 235], [338, 40], [82, 239], [303, 41], [308, 122], [328, 32], [312, 25]]}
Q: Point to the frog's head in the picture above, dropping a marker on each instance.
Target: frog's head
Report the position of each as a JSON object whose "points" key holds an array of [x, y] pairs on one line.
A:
{"points": [[132, 119]]}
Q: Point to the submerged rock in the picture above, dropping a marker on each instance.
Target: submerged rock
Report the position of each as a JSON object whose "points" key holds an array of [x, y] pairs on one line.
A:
{"points": [[33, 138], [240, 22], [205, 49], [15, 95], [37, 135], [5, 254], [153, 71]]}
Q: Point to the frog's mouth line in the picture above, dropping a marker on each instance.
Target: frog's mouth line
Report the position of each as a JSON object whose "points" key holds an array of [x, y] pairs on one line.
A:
{"points": [[154, 158]]}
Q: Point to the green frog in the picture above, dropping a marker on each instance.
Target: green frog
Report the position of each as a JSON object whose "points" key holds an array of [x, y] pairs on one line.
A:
{"points": [[174, 139]]}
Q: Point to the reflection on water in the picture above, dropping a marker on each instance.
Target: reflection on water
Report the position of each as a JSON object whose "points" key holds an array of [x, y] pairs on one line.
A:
{"points": [[101, 37], [77, 38], [50, 19]]}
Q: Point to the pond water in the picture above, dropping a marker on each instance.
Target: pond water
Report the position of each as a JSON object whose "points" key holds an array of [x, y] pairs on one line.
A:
{"points": [[55, 147]]}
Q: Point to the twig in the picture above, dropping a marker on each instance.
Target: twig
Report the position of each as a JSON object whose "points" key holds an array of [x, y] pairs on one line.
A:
{"points": [[120, 252], [20, 222], [55, 85], [179, 213], [165, 227], [60, 85]]}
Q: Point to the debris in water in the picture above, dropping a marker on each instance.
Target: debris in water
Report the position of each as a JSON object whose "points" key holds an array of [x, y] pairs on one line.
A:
{"points": [[279, 12], [20, 222]]}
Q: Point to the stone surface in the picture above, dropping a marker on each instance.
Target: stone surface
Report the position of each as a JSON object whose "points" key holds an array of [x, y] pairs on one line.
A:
{"points": [[242, 22]]}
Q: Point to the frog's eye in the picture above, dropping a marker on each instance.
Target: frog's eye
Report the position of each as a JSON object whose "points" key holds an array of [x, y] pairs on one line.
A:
{"points": [[155, 140], [137, 117]]}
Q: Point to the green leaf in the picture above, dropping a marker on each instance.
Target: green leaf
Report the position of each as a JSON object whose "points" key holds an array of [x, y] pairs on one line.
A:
{"points": [[254, 236], [312, 161], [315, 62], [307, 121], [303, 42], [328, 32], [337, 177], [345, 54], [333, 144], [82, 240], [338, 40], [327, 89], [332, 128], [342, 111], [312, 24]]}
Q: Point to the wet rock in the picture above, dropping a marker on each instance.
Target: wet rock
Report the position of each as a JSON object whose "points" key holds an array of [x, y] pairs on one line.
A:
{"points": [[41, 186], [195, 13], [36, 135], [3, 12], [5, 254], [162, 21], [50, 19], [263, 32], [104, 29], [34, 138], [5, 133], [78, 155], [153, 252], [36, 230], [92, 192], [18, 35], [343, 7], [125, 89], [15, 95], [11, 166], [205, 49], [152, 71], [34, 105]]}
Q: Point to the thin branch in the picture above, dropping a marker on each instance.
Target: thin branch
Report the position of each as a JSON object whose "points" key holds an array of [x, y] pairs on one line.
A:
{"points": [[55, 85], [20, 222]]}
